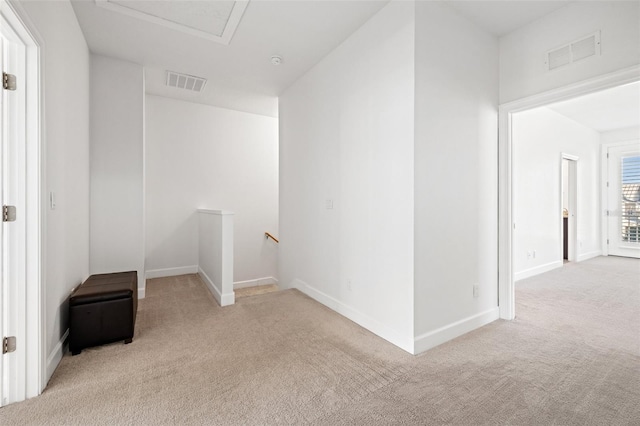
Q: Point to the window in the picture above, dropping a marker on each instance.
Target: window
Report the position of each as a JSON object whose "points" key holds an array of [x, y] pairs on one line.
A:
{"points": [[630, 200]]}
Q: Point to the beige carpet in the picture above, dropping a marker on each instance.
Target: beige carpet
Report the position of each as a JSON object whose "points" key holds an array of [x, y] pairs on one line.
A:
{"points": [[255, 290], [571, 357]]}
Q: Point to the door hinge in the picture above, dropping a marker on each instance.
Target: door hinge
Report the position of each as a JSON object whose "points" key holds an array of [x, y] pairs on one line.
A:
{"points": [[8, 81], [607, 184], [607, 212], [607, 155], [8, 213], [607, 241], [8, 344]]}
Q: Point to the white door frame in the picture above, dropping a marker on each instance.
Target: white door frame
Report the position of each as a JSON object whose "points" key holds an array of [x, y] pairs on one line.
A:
{"points": [[34, 376], [506, 289], [572, 189], [604, 179]]}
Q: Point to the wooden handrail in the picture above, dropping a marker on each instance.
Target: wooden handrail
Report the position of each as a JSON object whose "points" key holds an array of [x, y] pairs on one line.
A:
{"points": [[268, 235]]}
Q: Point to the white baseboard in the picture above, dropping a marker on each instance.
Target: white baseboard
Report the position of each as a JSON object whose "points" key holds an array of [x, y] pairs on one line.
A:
{"points": [[142, 291], [171, 272], [254, 283], [444, 334], [56, 354], [222, 299], [537, 270], [590, 255], [359, 318]]}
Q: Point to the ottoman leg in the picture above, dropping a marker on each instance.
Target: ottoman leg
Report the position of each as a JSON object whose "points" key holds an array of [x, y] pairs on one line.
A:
{"points": [[127, 341], [76, 352]]}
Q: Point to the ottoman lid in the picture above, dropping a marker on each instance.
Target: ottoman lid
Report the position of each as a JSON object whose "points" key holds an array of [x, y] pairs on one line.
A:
{"points": [[105, 287]]}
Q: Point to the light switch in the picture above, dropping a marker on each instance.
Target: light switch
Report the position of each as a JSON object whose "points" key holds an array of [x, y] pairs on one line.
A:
{"points": [[329, 204], [52, 200]]}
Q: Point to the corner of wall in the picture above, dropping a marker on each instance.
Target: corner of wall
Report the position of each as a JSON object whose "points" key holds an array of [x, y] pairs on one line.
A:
{"points": [[437, 337], [223, 299], [371, 324], [56, 354]]}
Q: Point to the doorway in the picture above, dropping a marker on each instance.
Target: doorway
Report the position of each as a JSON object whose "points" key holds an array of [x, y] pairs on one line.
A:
{"points": [[623, 199], [569, 191], [507, 224]]}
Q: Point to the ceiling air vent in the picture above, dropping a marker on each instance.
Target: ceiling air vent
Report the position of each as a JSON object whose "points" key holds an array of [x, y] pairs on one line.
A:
{"points": [[185, 81], [575, 51]]}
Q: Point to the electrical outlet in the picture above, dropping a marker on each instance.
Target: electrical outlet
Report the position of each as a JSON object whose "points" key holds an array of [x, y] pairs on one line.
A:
{"points": [[534, 254], [476, 290], [349, 285], [329, 204], [528, 255]]}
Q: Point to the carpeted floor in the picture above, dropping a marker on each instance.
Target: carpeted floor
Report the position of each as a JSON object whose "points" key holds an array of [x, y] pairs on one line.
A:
{"points": [[571, 357], [255, 290]]}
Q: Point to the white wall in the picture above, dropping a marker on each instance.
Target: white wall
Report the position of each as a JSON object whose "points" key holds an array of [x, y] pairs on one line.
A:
{"points": [[540, 136], [200, 156], [455, 175], [346, 135], [117, 167], [65, 62], [620, 135], [523, 52], [215, 253]]}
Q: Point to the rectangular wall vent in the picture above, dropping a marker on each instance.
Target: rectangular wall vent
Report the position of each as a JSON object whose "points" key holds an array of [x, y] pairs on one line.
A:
{"points": [[559, 57], [185, 81], [575, 51]]}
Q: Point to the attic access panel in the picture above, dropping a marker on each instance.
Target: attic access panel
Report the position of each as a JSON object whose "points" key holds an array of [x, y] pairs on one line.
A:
{"points": [[212, 20]]}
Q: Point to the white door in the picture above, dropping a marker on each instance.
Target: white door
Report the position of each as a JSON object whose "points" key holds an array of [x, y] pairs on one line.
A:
{"points": [[13, 231], [623, 200], [3, 307]]}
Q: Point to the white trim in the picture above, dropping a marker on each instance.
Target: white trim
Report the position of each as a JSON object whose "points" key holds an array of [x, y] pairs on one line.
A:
{"points": [[536, 270], [225, 38], [585, 87], [604, 194], [216, 212], [626, 142], [448, 332], [354, 315], [56, 355], [255, 283], [142, 275], [506, 293], [35, 357], [171, 272], [589, 255], [572, 190], [570, 157], [506, 225], [222, 299]]}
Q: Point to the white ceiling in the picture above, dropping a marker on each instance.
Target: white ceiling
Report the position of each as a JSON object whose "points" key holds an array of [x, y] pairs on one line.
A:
{"points": [[240, 75], [207, 16], [611, 109], [502, 17]]}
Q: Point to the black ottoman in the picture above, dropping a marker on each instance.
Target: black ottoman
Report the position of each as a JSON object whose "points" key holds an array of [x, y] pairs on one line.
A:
{"points": [[103, 310]]}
